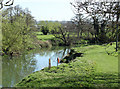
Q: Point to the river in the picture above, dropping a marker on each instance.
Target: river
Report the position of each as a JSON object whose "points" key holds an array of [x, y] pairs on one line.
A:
{"points": [[16, 68]]}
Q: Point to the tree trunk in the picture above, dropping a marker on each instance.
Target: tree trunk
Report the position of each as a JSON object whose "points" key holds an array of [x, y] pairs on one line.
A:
{"points": [[102, 33], [96, 28], [117, 32], [117, 39]]}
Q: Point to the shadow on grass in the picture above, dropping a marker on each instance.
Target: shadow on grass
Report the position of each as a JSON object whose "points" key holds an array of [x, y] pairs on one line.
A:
{"points": [[72, 55], [105, 80]]}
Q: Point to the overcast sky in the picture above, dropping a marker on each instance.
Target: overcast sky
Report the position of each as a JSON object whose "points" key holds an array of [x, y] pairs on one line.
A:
{"points": [[48, 9]]}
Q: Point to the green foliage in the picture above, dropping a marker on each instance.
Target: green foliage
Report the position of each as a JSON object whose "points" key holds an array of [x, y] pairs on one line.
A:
{"points": [[48, 26], [110, 49], [17, 30], [44, 30]]}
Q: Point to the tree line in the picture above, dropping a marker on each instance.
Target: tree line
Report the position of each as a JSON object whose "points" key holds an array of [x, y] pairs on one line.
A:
{"points": [[97, 22], [18, 27], [103, 16]]}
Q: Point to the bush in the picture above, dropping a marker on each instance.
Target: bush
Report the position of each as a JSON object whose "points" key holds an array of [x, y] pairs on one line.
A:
{"points": [[45, 30]]}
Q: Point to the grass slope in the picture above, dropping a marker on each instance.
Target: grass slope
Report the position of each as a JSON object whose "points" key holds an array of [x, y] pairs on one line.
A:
{"points": [[95, 69]]}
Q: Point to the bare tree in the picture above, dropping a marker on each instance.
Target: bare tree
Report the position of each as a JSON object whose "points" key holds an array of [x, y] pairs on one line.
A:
{"points": [[65, 33], [101, 14], [117, 13]]}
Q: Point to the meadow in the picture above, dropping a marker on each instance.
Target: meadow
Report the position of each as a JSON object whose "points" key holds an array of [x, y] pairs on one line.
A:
{"points": [[42, 37]]}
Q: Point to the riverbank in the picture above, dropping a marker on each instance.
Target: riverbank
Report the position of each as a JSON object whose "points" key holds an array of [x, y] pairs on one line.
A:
{"points": [[94, 69], [21, 66]]}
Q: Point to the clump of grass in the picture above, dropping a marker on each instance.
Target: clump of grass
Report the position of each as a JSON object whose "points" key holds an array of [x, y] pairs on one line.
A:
{"points": [[110, 49]]}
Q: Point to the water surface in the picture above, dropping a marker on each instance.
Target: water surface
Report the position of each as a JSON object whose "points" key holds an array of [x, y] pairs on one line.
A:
{"points": [[15, 69]]}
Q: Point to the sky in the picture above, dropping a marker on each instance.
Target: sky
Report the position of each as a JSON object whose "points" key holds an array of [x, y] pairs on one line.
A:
{"points": [[59, 10]]}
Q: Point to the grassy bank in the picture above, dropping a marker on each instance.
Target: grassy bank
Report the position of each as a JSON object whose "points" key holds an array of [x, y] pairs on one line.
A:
{"points": [[94, 69]]}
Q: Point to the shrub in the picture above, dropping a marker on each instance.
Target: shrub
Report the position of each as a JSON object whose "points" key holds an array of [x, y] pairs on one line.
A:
{"points": [[45, 30]]}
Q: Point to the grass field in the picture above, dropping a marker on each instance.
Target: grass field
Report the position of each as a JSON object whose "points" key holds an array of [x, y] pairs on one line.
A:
{"points": [[42, 37], [95, 69], [45, 37]]}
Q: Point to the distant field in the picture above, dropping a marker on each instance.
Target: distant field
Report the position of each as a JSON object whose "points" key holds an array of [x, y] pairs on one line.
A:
{"points": [[39, 33], [42, 37], [45, 37]]}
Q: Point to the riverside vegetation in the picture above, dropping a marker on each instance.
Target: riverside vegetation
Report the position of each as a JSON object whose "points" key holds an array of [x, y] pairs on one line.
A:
{"points": [[94, 68]]}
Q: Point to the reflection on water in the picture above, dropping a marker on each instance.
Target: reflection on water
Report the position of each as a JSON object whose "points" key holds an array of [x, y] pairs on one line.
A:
{"points": [[18, 67]]}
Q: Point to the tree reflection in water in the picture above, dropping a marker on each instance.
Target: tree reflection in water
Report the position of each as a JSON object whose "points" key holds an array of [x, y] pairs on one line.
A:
{"points": [[15, 69]]}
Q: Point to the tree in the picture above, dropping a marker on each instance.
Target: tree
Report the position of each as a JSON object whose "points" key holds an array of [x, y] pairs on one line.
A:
{"points": [[45, 30], [17, 29], [101, 13], [48, 26], [117, 13], [64, 33], [78, 20]]}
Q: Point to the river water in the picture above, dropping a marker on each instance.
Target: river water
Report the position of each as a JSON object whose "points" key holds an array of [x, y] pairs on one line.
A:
{"points": [[15, 69]]}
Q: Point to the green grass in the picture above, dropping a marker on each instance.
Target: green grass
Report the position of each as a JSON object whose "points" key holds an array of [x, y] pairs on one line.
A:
{"points": [[39, 33], [95, 69], [62, 76], [45, 37], [104, 62]]}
